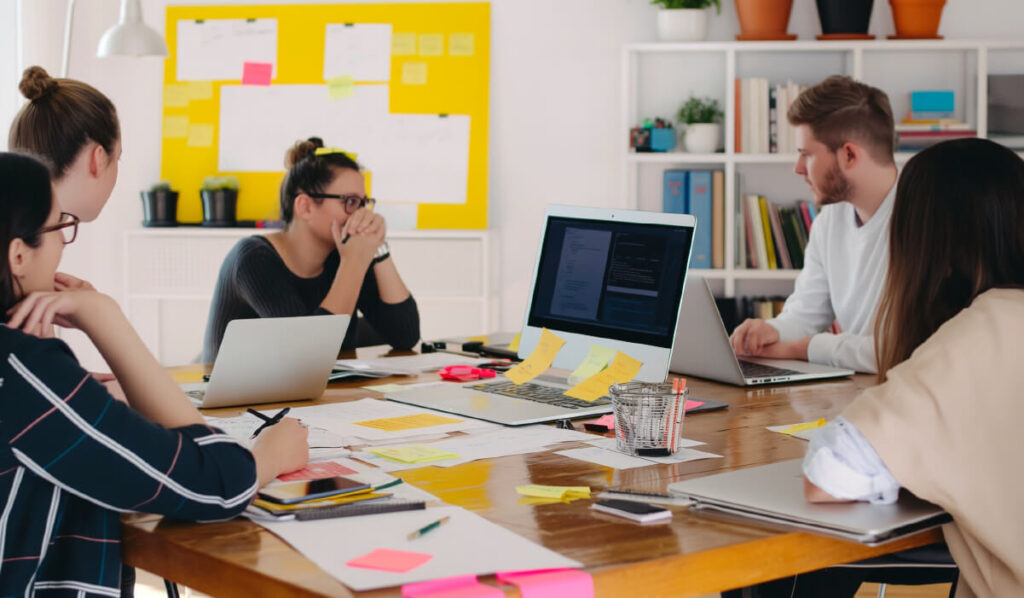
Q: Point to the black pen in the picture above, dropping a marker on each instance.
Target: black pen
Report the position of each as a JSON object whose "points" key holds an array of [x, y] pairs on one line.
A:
{"points": [[267, 421]]}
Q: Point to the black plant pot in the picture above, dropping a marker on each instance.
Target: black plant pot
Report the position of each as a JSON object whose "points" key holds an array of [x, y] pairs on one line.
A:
{"points": [[844, 16], [159, 208], [219, 207]]}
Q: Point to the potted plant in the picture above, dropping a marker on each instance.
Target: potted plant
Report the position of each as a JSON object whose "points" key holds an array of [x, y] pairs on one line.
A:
{"points": [[764, 19], [845, 19], [220, 200], [701, 117], [917, 19], [684, 20], [159, 205]]}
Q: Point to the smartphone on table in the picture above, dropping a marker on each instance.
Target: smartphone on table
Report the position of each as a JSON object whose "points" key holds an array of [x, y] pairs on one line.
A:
{"points": [[294, 492]]}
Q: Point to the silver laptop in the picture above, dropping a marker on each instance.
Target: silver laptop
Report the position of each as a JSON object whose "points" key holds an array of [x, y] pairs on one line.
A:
{"points": [[265, 360], [603, 277], [775, 494], [702, 348]]}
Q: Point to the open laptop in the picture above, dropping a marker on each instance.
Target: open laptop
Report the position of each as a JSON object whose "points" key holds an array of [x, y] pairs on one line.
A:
{"points": [[603, 277], [265, 360], [775, 494], [702, 348]]}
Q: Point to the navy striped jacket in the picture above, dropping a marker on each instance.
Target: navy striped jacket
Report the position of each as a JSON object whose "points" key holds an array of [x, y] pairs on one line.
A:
{"points": [[73, 458]]}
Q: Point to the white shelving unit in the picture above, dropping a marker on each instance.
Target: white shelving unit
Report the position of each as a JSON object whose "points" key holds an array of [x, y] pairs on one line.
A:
{"points": [[859, 59]]}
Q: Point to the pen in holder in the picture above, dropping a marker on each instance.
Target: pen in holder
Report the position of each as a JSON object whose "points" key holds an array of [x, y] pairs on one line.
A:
{"points": [[649, 417]]}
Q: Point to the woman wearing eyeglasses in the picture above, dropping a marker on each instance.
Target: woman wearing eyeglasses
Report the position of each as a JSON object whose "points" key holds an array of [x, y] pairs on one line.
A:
{"points": [[331, 258]]}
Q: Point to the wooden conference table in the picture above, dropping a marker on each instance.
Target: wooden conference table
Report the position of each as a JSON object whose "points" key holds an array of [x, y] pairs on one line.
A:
{"points": [[695, 554]]}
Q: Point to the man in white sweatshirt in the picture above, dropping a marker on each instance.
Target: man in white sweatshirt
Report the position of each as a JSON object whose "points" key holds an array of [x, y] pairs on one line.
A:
{"points": [[845, 138]]}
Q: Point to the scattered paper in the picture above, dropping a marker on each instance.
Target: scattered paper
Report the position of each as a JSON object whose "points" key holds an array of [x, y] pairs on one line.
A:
{"points": [[431, 44], [414, 364], [200, 135], [550, 583], [361, 50], [403, 44], [413, 453], [216, 49], [460, 44], [382, 388], [317, 471], [621, 370], [538, 361], [384, 559], [409, 422], [176, 95], [340, 87], [595, 361], [684, 455], [803, 431], [257, 73], [175, 127], [555, 492], [414, 73], [611, 443], [613, 459]]}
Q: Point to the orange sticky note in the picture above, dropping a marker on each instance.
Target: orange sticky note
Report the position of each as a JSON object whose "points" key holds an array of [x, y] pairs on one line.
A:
{"points": [[538, 361], [385, 559], [257, 73]]}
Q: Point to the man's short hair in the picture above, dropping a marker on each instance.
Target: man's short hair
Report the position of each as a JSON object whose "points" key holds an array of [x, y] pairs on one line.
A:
{"points": [[840, 110]]}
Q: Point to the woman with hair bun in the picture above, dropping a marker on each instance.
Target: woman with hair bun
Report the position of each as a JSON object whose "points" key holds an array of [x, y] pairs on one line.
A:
{"points": [[331, 258]]}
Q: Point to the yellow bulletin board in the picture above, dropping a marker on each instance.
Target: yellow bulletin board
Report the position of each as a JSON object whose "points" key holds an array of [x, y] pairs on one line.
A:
{"points": [[439, 66]]}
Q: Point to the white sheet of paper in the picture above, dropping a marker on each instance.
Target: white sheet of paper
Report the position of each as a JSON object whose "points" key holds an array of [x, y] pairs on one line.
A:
{"points": [[425, 160], [360, 50], [600, 456], [609, 443], [424, 362], [468, 544], [216, 49], [684, 455], [322, 443]]}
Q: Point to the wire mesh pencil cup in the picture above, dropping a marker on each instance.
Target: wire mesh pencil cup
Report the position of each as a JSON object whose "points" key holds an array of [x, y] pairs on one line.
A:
{"points": [[648, 417]]}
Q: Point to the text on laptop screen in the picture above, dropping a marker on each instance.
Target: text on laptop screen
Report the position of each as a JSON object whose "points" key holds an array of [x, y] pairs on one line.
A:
{"points": [[618, 280]]}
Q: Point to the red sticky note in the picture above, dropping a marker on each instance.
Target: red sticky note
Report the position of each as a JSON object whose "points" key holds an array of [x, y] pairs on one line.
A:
{"points": [[385, 559], [461, 586], [550, 583], [692, 405], [316, 471], [257, 73]]}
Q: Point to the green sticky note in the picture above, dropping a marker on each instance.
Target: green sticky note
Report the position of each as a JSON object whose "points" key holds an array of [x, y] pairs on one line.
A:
{"points": [[341, 87], [432, 44], [460, 44], [595, 361], [413, 453], [403, 44], [414, 73]]}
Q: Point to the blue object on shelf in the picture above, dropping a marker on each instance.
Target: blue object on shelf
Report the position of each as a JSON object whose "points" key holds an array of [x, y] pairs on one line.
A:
{"points": [[663, 139], [674, 195], [932, 101], [699, 204]]}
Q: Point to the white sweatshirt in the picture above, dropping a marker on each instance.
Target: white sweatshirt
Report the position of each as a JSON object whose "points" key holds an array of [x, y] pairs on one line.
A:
{"points": [[844, 271]]}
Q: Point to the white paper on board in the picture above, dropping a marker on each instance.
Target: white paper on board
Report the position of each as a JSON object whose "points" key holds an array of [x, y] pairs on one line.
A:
{"points": [[360, 50], [216, 49]]}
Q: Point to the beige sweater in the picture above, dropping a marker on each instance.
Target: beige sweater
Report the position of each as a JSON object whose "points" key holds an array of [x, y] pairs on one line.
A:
{"points": [[948, 424]]}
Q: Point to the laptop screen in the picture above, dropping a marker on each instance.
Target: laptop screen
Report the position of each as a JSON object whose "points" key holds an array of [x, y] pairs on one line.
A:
{"points": [[609, 279]]}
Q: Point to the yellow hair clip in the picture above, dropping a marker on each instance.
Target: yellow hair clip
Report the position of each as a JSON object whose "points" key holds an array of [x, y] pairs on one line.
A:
{"points": [[326, 151]]}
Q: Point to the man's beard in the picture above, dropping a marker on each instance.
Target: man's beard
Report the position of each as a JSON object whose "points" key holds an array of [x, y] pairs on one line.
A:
{"points": [[835, 188]]}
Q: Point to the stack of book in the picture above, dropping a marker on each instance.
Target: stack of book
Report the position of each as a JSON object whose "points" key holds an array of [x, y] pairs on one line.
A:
{"points": [[760, 119], [701, 193], [932, 119], [774, 237]]}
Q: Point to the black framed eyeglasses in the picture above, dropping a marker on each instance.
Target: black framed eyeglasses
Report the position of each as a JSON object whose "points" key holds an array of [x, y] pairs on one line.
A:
{"points": [[68, 226], [352, 202]]}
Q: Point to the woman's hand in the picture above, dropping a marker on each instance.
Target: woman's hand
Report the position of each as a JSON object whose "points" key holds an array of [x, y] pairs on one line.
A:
{"points": [[281, 448], [67, 282], [361, 235], [39, 311]]}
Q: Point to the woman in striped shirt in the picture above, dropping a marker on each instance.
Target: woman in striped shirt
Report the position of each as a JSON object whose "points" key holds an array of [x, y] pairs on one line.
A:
{"points": [[75, 456]]}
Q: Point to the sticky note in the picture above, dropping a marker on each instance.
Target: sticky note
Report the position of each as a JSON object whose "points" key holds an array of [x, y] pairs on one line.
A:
{"points": [[176, 95], [403, 44], [514, 345], [595, 361], [538, 361], [549, 583], [608, 421], [175, 127], [554, 492], [257, 73], [200, 90], [408, 422], [413, 453], [460, 44], [200, 135], [692, 405], [384, 387], [431, 44], [804, 426], [385, 559], [621, 370], [317, 471], [460, 586], [340, 87], [414, 73]]}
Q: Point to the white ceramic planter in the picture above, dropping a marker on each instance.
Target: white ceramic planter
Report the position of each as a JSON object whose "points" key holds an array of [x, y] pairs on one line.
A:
{"points": [[683, 24], [702, 138]]}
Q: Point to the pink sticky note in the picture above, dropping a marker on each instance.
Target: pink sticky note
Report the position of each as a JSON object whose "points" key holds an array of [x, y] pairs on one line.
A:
{"points": [[257, 73], [316, 471], [607, 421], [461, 586], [385, 559], [692, 405], [550, 583]]}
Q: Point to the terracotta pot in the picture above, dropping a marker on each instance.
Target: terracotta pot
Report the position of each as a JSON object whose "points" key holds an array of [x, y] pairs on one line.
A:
{"points": [[764, 19], [917, 18]]}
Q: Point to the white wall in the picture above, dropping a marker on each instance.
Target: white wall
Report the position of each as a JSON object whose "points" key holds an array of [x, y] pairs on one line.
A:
{"points": [[555, 94]]}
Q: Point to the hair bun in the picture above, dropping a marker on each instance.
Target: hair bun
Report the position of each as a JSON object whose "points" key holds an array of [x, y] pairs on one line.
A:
{"points": [[302, 150], [36, 83]]}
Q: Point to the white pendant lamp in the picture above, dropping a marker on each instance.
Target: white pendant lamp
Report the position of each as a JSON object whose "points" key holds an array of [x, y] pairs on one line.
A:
{"points": [[131, 36]]}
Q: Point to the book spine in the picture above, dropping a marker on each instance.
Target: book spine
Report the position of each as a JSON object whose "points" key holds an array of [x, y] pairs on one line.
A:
{"points": [[751, 247], [766, 226], [673, 199], [754, 207], [781, 249], [737, 121], [699, 199], [773, 120], [789, 228], [718, 219]]}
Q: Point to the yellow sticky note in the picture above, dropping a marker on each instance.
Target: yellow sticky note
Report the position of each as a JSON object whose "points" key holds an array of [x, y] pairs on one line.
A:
{"points": [[175, 127], [403, 44], [460, 44], [621, 370], [341, 87], [200, 135], [554, 492], [176, 95], [804, 426], [414, 73], [514, 345], [200, 90], [538, 361], [408, 422], [594, 362], [413, 453], [432, 44]]}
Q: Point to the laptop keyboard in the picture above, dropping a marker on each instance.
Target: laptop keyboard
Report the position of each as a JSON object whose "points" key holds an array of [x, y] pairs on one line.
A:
{"points": [[537, 393], [759, 370]]}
